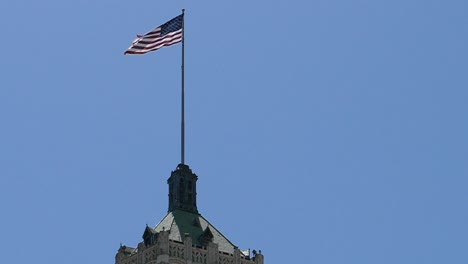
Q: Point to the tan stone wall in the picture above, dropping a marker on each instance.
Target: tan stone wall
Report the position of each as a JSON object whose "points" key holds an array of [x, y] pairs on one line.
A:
{"points": [[183, 253]]}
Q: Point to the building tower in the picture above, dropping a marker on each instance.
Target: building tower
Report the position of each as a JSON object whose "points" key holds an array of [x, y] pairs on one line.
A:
{"points": [[184, 236]]}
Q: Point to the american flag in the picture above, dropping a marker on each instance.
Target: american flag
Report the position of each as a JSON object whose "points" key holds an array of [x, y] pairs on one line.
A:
{"points": [[167, 34]]}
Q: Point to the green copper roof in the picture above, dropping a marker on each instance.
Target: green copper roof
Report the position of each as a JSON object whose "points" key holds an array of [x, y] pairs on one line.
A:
{"points": [[180, 222]]}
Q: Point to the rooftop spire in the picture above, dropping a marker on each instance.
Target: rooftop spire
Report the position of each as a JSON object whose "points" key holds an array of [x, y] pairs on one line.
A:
{"points": [[183, 189]]}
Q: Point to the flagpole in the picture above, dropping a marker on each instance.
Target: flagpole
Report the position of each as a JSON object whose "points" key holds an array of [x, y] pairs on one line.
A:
{"points": [[182, 128]]}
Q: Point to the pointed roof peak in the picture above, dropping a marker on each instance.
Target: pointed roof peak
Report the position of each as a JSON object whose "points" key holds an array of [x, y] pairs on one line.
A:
{"points": [[180, 222]]}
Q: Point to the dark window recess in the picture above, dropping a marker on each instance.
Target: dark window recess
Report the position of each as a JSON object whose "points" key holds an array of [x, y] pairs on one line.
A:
{"points": [[181, 190], [189, 186]]}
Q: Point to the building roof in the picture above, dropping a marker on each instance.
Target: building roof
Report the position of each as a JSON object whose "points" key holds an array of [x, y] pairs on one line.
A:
{"points": [[180, 222]]}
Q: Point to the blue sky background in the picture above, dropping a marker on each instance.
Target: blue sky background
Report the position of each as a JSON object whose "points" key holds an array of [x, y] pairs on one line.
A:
{"points": [[321, 131]]}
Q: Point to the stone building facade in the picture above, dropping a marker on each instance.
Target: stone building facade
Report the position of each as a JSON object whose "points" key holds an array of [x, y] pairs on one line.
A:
{"points": [[184, 236]]}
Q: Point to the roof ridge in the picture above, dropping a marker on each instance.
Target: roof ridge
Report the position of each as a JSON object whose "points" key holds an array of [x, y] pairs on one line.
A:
{"points": [[219, 232]]}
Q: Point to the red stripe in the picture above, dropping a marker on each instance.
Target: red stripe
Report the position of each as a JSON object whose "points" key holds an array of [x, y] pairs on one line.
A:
{"points": [[155, 47], [155, 42], [151, 45], [143, 51], [154, 31], [162, 44], [148, 40], [152, 41]]}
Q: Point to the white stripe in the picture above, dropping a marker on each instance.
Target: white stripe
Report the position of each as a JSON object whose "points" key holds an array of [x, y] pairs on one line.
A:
{"points": [[148, 49], [156, 42], [155, 38]]}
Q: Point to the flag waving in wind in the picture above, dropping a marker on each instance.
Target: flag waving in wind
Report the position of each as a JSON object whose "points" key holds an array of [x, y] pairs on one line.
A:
{"points": [[165, 35]]}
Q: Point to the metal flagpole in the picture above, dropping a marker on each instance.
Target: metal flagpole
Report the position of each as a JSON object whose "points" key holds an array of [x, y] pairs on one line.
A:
{"points": [[182, 131]]}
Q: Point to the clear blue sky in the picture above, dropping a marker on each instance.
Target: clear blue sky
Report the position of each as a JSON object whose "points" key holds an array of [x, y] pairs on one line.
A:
{"points": [[321, 131]]}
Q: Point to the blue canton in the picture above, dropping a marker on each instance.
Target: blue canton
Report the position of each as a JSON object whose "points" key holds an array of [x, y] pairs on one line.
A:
{"points": [[172, 25]]}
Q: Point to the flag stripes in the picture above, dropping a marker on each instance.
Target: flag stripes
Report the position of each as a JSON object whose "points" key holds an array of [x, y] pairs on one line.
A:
{"points": [[165, 35]]}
